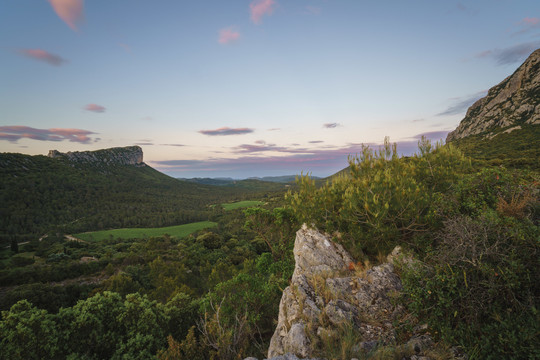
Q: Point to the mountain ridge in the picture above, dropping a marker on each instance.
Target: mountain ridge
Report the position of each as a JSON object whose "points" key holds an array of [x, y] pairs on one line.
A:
{"points": [[507, 107], [128, 155]]}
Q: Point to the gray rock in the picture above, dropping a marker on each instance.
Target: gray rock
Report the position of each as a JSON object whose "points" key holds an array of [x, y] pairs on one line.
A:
{"points": [[512, 102], [324, 294], [129, 155]]}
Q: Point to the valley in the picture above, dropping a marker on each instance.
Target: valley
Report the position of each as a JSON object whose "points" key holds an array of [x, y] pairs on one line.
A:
{"points": [[104, 257]]}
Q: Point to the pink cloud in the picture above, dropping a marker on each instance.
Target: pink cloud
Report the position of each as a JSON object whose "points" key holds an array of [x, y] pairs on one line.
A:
{"points": [[530, 21], [226, 131], [95, 108], [70, 11], [42, 55], [14, 133], [228, 35], [259, 8]]}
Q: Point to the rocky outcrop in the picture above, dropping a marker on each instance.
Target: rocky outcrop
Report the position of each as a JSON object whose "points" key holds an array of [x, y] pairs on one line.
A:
{"points": [[329, 292], [514, 102], [129, 155]]}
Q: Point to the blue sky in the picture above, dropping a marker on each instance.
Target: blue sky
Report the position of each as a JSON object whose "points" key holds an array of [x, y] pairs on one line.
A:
{"points": [[249, 88]]}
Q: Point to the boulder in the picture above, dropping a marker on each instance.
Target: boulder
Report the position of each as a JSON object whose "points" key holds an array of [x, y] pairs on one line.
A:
{"points": [[325, 295]]}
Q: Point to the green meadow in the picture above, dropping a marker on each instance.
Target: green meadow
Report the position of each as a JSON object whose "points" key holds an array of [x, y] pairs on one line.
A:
{"points": [[242, 204], [178, 231]]}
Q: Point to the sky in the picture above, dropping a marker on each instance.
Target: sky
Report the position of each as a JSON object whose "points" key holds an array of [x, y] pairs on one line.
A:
{"points": [[245, 88]]}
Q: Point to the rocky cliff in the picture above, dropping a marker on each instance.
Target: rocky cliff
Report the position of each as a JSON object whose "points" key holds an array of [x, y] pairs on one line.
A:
{"points": [[129, 155], [334, 302], [507, 106]]}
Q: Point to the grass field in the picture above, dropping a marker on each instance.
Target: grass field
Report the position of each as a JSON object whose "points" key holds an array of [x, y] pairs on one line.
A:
{"points": [[178, 231], [242, 204]]}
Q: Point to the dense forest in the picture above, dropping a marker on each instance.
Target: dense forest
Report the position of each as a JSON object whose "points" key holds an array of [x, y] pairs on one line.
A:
{"points": [[41, 194], [471, 226]]}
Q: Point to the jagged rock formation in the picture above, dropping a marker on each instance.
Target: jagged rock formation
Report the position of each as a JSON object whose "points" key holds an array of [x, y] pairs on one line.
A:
{"points": [[129, 155], [507, 106], [325, 295]]}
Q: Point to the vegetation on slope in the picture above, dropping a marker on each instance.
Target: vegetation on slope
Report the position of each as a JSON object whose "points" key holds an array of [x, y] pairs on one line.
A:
{"points": [[517, 149], [39, 194], [474, 230]]}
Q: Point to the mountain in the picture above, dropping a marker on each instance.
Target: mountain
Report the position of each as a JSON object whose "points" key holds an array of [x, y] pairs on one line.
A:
{"points": [[503, 128], [508, 106], [93, 190]]}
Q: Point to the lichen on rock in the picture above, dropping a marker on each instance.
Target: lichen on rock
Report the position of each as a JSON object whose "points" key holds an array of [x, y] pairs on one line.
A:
{"points": [[325, 294]]}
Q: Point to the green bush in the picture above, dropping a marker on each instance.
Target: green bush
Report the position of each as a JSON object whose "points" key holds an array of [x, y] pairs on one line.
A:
{"points": [[479, 285], [384, 200]]}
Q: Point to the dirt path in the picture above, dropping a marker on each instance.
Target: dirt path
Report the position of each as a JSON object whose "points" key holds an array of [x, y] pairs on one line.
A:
{"points": [[73, 238]]}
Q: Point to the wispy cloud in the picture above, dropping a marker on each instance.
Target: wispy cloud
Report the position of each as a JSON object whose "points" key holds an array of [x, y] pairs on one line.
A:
{"points": [[315, 141], [95, 108], [274, 129], [144, 143], [42, 55], [226, 131], [248, 148], [331, 125], [228, 35], [460, 105], [432, 135], [527, 24], [255, 163], [179, 145], [70, 11], [259, 8], [15, 133], [510, 55]]}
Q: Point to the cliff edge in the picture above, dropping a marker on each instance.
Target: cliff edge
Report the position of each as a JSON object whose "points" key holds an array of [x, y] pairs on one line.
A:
{"points": [[508, 106], [129, 155]]}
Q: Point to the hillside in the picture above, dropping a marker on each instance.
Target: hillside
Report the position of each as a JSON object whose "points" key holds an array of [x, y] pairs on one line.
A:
{"points": [[503, 128], [102, 189]]}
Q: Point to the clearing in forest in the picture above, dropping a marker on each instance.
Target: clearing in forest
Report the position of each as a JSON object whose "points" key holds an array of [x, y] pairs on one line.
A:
{"points": [[178, 231]]}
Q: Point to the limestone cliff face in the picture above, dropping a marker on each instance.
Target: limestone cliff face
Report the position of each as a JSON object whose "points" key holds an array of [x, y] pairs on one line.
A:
{"points": [[509, 105], [129, 155]]}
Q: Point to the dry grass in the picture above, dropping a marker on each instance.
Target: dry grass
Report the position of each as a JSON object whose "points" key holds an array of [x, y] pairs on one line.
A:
{"points": [[517, 206], [360, 268]]}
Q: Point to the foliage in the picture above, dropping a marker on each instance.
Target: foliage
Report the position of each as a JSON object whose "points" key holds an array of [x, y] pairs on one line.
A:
{"points": [[479, 285], [27, 333], [517, 149], [384, 200]]}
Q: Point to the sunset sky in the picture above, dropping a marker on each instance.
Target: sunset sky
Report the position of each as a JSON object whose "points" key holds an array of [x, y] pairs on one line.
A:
{"points": [[249, 88]]}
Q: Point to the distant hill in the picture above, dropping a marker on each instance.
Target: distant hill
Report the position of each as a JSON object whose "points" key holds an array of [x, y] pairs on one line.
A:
{"points": [[281, 179], [503, 128], [93, 190], [247, 184], [284, 179]]}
